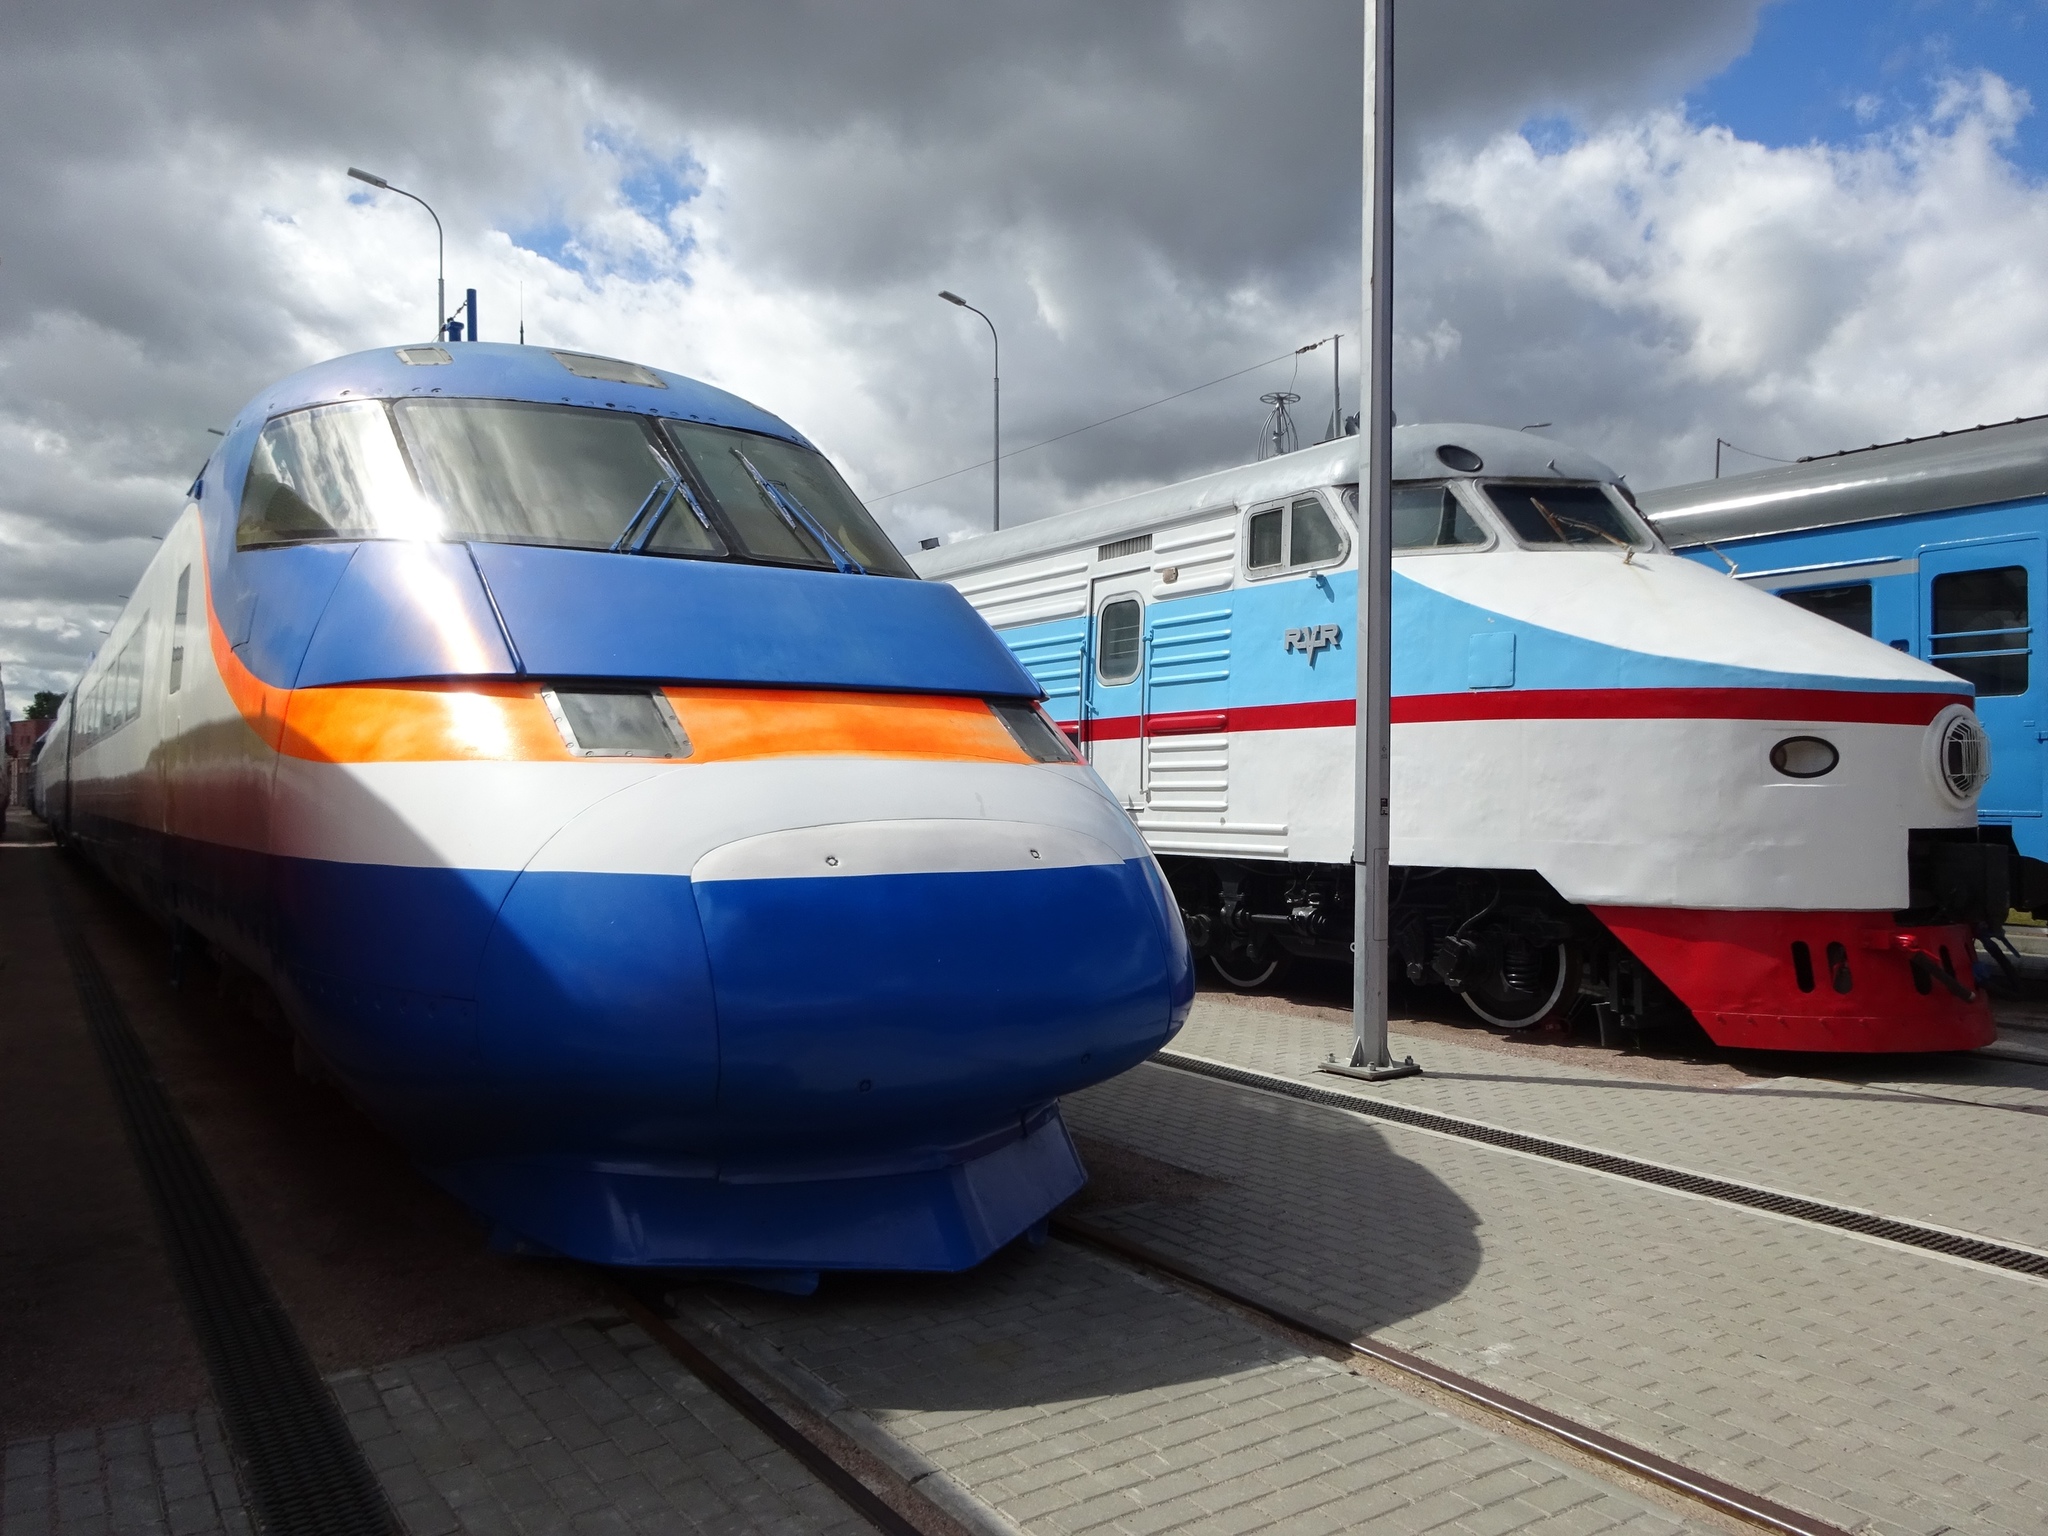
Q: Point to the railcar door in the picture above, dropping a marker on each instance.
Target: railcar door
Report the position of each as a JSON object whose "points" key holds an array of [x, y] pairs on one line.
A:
{"points": [[1113, 695], [1977, 604]]}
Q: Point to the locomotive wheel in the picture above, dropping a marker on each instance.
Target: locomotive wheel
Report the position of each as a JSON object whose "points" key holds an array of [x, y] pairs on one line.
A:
{"points": [[1248, 972], [1505, 1007]]}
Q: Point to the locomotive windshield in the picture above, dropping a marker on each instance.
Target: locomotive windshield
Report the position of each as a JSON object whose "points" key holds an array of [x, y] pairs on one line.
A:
{"points": [[502, 471], [1555, 516]]}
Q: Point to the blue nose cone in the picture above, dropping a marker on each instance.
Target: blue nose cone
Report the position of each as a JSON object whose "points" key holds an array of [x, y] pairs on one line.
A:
{"points": [[808, 1070]]}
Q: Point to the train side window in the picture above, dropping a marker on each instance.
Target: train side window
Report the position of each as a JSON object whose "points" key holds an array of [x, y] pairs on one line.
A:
{"points": [[1265, 539], [178, 630], [1847, 605], [1119, 640], [1979, 630], [1430, 517], [1300, 534], [1312, 539]]}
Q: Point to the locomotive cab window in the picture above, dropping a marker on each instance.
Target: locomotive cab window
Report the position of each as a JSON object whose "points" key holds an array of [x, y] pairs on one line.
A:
{"points": [[1847, 605], [1566, 516], [1297, 535], [1980, 631], [1119, 640], [516, 472], [1431, 517]]}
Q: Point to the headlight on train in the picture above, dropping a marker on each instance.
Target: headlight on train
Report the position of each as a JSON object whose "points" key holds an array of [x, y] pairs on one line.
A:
{"points": [[1804, 757], [1959, 754]]}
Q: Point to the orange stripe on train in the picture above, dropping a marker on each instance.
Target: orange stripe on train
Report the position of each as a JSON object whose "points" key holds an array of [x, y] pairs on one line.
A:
{"points": [[436, 722]]}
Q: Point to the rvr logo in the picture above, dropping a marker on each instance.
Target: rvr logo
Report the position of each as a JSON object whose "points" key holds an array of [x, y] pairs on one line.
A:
{"points": [[1312, 639]]}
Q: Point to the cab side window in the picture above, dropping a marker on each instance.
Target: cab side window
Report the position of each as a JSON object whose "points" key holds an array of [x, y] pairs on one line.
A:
{"points": [[1296, 535]]}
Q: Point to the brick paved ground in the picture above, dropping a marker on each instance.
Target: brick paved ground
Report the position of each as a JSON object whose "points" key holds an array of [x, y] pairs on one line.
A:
{"points": [[575, 1428], [170, 1477], [572, 1428], [1857, 1381], [1073, 1395], [1940, 1143]]}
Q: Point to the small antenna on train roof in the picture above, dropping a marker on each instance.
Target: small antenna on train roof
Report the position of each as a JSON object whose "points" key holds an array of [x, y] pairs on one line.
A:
{"points": [[1279, 435], [522, 312]]}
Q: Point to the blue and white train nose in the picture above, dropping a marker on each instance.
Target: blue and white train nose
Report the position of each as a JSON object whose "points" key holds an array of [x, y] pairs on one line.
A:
{"points": [[779, 1022]]}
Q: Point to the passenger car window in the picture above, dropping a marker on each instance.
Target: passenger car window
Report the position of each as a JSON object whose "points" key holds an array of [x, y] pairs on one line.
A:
{"points": [[1980, 631], [1847, 605], [1430, 517], [1119, 640]]}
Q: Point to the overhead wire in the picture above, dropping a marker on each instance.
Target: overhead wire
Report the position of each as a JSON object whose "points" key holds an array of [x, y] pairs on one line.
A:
{"points": [[1091, 426]]}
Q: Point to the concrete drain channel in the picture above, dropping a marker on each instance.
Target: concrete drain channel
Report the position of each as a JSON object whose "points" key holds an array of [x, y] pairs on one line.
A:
{"points": [[299, 1464], [1957, 1245]]}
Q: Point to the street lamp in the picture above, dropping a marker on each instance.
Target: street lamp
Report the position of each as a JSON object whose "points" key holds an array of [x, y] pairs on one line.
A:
{"points": [[440, 252], [954, 298]]}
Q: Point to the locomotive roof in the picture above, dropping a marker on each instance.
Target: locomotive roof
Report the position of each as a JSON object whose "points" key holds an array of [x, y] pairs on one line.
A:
{"points": [[501, 371], [1970, 468], [1502, 454]]}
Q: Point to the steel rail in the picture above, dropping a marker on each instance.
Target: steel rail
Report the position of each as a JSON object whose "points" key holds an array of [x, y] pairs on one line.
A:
{"points": [[1648, 1465], [1842, 1218]]}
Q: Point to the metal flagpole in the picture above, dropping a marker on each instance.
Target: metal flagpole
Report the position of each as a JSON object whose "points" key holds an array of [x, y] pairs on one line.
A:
{"points": [[1371, 1057]]}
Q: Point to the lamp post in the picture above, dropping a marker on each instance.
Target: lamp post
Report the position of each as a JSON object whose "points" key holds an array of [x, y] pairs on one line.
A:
{"points": [[1370, 1054], [440, 245], [954, 298]]}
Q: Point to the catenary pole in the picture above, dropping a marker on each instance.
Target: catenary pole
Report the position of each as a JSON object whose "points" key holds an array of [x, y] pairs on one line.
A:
{"points": [[1370, 1054]]}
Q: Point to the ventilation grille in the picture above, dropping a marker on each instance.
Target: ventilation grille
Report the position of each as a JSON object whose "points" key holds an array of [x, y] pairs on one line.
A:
{"points": [[1122, 547]]}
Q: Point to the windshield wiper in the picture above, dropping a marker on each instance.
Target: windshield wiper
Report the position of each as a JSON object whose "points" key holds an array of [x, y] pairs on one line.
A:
{"points": [[653, 507], [798, 515], [1555, 519]]}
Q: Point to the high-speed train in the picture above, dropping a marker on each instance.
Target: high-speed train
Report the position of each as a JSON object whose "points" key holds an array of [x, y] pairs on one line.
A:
{"points": [[619, 820], [1616, 776]]}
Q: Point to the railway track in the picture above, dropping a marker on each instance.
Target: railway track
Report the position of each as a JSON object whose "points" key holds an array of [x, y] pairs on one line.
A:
{"points": [[303, 1471]]}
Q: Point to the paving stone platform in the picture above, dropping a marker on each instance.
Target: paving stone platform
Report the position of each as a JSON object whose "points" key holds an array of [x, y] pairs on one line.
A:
{"points": [[1930, 1139], [581, 1428], [1071, 1394], [1879, 1388]]}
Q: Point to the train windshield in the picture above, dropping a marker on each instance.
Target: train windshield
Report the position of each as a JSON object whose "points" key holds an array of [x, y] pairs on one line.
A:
{"points": [[1547, 516], [502, 471]]}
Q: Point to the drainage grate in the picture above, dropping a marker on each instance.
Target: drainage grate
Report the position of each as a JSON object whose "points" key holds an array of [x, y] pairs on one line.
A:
{"points": [[1954, 1244], [299, 1464]]}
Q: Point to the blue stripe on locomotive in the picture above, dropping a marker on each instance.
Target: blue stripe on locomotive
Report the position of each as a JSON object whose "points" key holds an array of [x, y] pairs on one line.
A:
{"points": [[1901, 617], [1226, 649]]}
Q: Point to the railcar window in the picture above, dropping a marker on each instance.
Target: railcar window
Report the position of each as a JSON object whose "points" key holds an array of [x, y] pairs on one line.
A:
{"points": [[1430, 517], [1119, 640], [1312, 539], [542, 474], [333, 472], [1265, 539], [1980, 631], [1847, 605], [803, 475], [178, 630], [1562, 515]]}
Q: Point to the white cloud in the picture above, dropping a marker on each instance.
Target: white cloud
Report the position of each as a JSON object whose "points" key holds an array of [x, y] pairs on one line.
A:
{"points": [[1659, 284]]}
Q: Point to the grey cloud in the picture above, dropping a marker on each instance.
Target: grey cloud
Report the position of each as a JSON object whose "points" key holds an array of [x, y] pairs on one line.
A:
{"points": [[1146, 194]]}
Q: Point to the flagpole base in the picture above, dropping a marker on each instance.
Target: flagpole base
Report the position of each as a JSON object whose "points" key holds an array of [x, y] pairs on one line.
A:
{"points": [[1405, 1067]]}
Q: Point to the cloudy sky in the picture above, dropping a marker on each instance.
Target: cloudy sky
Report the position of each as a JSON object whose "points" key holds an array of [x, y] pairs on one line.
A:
{"points": [[1795, 224]]}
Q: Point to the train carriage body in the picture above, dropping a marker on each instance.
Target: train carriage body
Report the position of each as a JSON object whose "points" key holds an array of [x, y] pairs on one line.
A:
{"points": [[1614, 773], [618, 819]]}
